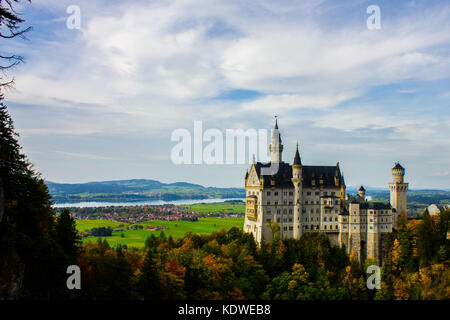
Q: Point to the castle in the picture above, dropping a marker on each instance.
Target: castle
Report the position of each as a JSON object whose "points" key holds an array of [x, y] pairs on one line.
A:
{"points": [[303, 198]]}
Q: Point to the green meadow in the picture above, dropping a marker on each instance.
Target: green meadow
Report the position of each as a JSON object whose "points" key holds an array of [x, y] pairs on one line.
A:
{"points": [[176, 229], [216, 207]]}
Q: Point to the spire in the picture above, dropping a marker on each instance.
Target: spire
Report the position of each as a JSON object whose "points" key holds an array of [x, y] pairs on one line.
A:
{"points": [[297, 160], [276, 123]]}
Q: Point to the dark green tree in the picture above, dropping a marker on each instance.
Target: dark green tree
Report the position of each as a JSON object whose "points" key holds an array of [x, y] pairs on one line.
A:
{"points": [[149, 284], [66, 236], [427, 240]]}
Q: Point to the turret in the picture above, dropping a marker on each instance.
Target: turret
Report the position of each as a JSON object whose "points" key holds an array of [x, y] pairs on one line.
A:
{"points": [[398, 189], [398, 173], [276, 148], [297, 182], [297, 165], [362, 192]]}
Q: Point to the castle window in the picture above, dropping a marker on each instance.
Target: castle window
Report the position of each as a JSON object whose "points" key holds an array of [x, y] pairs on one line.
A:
{"points": [[333, 193], [290, 219], [290, 210], [276, 193], [336, 227], [325, 227], [325, 219], [291, 193], [308, 193], [268, 203], [268, 220], [306, 227], [268, 193], [285, 228], [291, 228], [317, 193], [306, 201], [291, 203], [276, 202], [278, 220]]}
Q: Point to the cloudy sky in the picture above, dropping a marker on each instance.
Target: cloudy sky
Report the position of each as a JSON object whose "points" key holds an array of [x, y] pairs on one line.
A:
{"points": [[101, 102]]}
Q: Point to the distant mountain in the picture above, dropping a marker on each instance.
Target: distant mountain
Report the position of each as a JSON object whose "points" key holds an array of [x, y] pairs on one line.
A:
{"points": [[136, 190]]}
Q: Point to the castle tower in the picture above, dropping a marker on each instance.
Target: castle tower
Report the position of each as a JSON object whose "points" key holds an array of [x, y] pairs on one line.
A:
{"points": [[276, 148], [398, 189], [362, 192], [297, 182]]}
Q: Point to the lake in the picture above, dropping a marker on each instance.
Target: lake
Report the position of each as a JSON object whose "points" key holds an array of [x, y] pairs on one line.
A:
{"points": [[92, 204]]}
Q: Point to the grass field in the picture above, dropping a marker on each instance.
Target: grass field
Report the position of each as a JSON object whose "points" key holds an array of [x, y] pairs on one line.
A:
{"points": [[136, 238], [216, 207]]}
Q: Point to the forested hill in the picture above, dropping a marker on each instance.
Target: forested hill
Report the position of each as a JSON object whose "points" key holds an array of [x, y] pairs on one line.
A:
{"points": [[136, 190]]}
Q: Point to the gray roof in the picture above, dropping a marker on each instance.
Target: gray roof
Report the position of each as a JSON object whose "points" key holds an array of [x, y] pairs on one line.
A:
{"points": [[309, 173]]}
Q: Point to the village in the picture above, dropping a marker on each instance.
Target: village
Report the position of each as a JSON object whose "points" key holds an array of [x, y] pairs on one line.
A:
{"points": [[141, 213]]}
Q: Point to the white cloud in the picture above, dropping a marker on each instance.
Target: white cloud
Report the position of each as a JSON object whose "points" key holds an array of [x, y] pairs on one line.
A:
{"points": [[151, 67], [149, 56]]}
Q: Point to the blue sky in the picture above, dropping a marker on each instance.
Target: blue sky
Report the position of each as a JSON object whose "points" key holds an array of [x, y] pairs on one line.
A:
{"points": [[101, 102]]}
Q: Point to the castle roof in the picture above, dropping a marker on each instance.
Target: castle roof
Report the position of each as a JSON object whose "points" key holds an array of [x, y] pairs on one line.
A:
{"points": [[281, 179], [297, 159], [397, 166], [361, 189], [375, 205], [324, 174]]}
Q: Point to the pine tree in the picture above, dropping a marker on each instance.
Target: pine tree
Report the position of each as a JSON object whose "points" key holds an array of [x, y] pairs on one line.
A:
{"points": [[427, 240], [27, 220], [67, 237], [149, 285]]}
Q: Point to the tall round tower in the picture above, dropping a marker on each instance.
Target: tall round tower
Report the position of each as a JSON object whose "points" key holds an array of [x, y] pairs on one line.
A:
{"points": [[398, 189], [297, 181], [275, 147]]}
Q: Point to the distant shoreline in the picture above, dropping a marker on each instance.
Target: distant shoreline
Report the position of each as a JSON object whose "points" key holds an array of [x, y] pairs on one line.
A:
{"points": [[93, 204]]}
